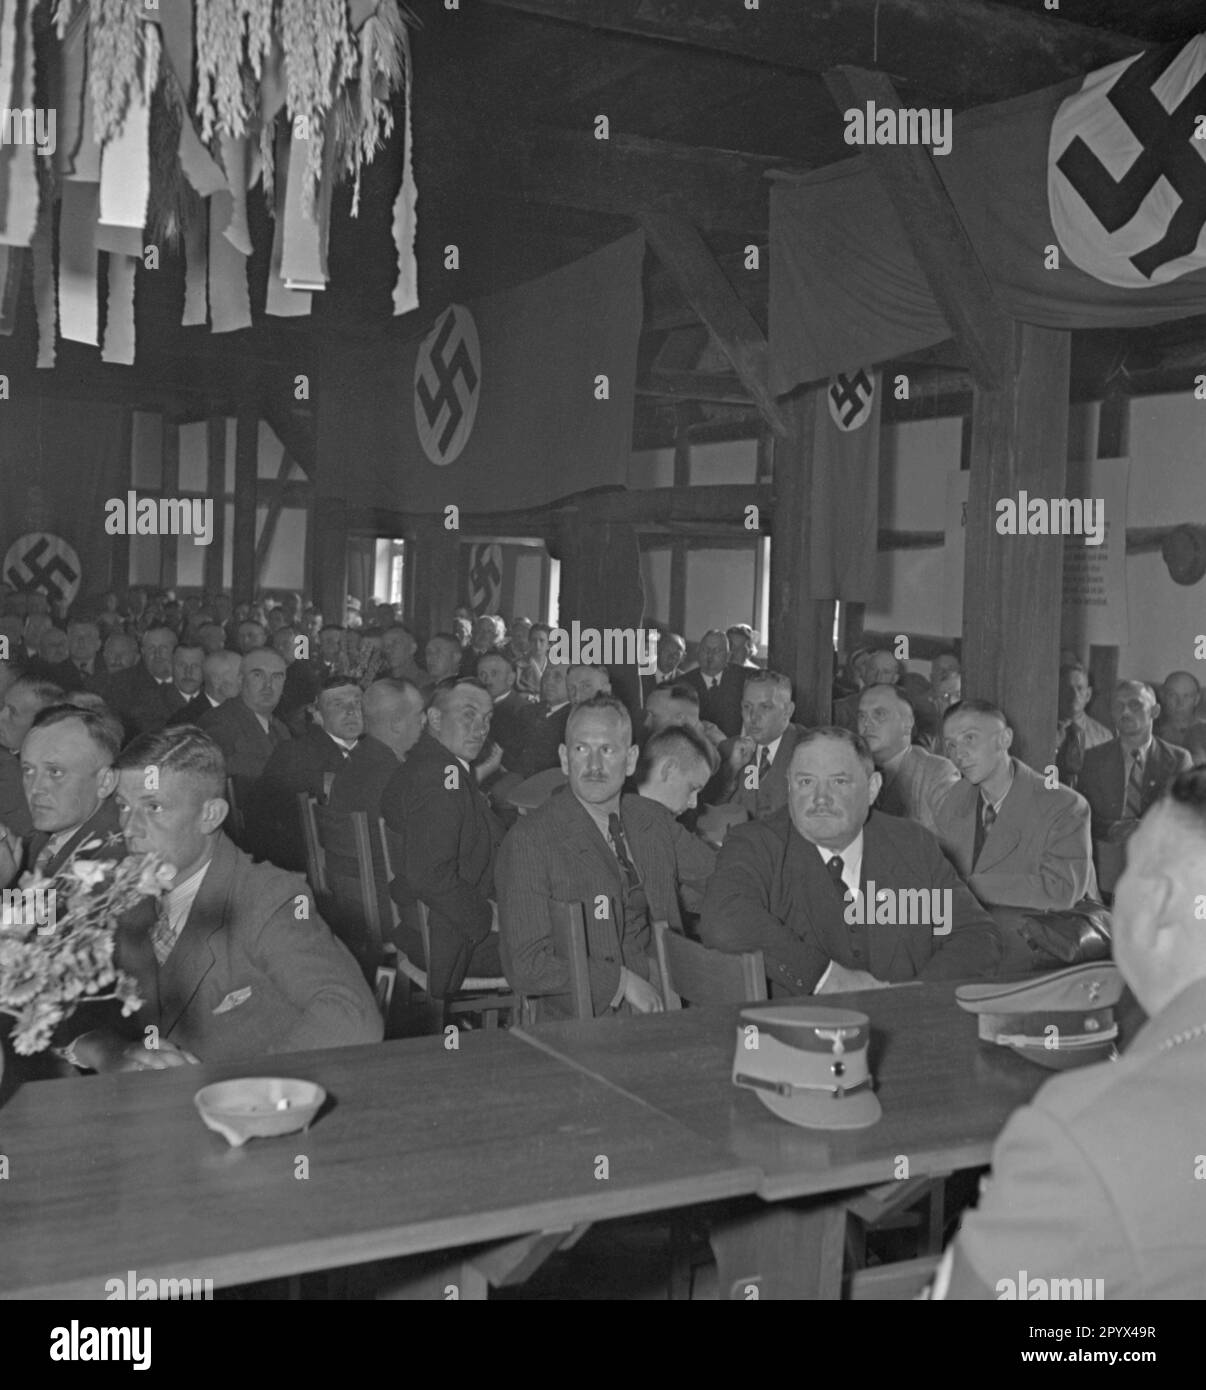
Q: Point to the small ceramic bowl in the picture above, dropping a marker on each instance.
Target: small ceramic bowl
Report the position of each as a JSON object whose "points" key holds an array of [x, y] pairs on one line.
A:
{"points": [[258, 1107]]}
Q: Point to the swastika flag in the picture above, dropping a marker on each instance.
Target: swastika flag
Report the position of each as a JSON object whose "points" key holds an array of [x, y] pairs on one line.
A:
{"points": [[508, 402], [1085, 202]]}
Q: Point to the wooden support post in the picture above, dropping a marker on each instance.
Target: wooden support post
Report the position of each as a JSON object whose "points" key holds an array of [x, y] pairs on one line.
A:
{"points": [[215, 487], [677, 614], [276, 505], [431, 595], [169, 486], [1013, 584], [331, 561], [801, 627], [247, 438]]}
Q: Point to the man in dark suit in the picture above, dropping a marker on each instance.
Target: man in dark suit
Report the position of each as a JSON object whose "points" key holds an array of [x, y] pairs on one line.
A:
{"points": [[508, 724], [241, 964], [23, 702], [144, 696], [1094, 1179], [245, 728], [544, 724], [914, 781], [622, 857], [449, 837], [671, 649], [84, 668], [394, 718], [720, 686], [305, 764], [1122, 778], [823, 884], [303, 679], [219, 683], [68, 755], [759, 759]]}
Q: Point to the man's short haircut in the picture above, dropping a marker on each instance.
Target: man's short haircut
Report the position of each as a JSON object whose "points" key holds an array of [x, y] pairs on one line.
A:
{"points": [[335, 682], [714, 632], [678, 690], [153, 629], [450, 637], [395, 685], [188, 647], [498, 656], [676, 741], [44, 692], [743, 628], [985, 707], [597, 704], [896, 691], [540, 627], [104, 729], [441, 695], [835, 731], [184, 750], [397, 627], [1187, 795], [775, 678], [1137, 685], [1069, 667]]}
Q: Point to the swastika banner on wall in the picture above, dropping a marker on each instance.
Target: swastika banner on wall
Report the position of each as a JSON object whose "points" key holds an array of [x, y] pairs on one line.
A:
{"points": [[843, 515], [509, 402], [1085, 202]]}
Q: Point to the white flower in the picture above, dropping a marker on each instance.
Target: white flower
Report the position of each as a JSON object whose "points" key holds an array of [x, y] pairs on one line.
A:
{"points": [[89, 872]]}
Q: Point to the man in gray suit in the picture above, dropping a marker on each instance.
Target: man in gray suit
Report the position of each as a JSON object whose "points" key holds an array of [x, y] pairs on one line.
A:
{"points": [[914, 781], [760, 757], [1019, 843], [1095, 1178]]}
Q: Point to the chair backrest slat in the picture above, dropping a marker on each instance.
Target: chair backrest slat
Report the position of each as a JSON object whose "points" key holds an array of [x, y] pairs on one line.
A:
{"points": [[569, 943], [702, 976]]}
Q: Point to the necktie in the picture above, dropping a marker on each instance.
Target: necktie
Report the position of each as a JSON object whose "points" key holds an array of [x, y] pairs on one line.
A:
{"points": [[1071, 756], [834, 869], [615, 833], [764, 762], [1132, 807], [984, 823], [161, 932]]}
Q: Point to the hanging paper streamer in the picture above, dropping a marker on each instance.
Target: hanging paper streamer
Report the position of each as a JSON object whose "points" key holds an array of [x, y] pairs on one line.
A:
{"points": [[282, 302], [18, 178], [196, 274], [125, 181], [77, 261], [229, 302], [45, 300], [234, 157], [11, 261], [406, 287], [73, 65], [201, 170], [304, 255], [119, 320]]}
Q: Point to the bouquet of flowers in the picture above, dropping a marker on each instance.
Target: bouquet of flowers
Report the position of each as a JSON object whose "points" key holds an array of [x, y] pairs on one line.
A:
{"points": [[57, 937]]}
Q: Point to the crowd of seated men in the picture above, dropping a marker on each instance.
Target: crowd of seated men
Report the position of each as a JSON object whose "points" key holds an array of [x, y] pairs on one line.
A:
{"points": [[514, 785]]}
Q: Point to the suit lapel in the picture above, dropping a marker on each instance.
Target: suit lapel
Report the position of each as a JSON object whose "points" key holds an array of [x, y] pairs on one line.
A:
{"points": [[1006, 831], [192, 957]]}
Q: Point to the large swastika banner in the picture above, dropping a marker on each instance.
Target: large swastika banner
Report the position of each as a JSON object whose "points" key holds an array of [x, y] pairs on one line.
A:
{"points": [[1086, 204], [498, 404]]}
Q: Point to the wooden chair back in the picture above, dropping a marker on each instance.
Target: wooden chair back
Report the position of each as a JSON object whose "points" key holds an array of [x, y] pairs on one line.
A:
{"points": [[316, 867], [702, 976], [905, 1279]]}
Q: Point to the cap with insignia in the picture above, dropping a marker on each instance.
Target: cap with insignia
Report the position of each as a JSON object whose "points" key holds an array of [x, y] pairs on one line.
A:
{"points": [[808, 1064], [1059, 1021]]}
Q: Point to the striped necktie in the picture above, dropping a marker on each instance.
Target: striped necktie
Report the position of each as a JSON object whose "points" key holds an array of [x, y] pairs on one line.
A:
{"points": [[1132, 806]]}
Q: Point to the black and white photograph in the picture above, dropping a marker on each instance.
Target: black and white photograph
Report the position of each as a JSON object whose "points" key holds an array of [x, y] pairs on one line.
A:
{"points": [[602, 644]]}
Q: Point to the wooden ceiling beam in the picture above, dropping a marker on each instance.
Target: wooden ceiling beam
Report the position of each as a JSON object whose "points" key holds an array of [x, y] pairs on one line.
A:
{"points": [[964, 54], [717, 190], [685, 254], [944, 251]]}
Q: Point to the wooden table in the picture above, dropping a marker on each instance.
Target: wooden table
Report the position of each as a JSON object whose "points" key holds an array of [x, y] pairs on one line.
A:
{"points": [[423, 1149], [945, 1098]]}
